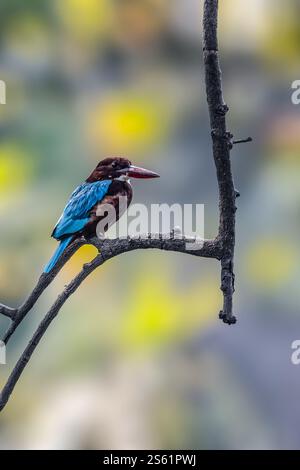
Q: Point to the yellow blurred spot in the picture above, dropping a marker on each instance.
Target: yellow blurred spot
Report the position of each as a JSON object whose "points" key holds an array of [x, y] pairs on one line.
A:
{"points": [[158, 313], [126, 124], [84, 19], [84, 255], [15, 170], [271, 262], [281, 41]]}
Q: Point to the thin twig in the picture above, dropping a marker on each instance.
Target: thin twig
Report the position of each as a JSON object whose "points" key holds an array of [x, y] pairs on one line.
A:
{"points": [[242, 141]]}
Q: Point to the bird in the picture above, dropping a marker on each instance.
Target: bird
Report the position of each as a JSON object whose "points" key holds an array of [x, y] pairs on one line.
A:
{"points": [[109, 181]]}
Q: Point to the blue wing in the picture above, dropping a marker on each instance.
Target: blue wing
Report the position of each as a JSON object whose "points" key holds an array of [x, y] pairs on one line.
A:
{"points": [[76, 213]]}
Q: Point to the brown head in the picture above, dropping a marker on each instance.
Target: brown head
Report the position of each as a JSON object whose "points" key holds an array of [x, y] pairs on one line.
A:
{"points": [[113, 168]]}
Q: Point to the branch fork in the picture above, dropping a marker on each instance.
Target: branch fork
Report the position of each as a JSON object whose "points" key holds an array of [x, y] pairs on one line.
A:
{"points": [[221, 248]]}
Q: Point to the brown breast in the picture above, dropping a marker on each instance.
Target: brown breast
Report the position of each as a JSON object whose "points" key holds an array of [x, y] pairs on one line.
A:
{"points": [[119, 196]]}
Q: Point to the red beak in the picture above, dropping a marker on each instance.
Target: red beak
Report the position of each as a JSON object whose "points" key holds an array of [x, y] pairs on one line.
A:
{"points": [[137, 172]]}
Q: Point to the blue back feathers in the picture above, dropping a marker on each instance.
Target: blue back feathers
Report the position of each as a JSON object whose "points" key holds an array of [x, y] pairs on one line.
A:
{"points": [[76, 215]]}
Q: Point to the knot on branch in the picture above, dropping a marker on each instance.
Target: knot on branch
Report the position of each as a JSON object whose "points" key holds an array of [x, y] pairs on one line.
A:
{"points": [[222, 109], [227, 319], [226, 137]]}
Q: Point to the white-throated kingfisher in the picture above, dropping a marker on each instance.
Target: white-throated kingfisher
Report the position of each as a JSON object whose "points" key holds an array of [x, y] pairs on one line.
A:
{"points": [[109, 181]]}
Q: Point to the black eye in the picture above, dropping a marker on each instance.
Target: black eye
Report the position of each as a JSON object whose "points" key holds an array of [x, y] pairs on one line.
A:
{"points": [[114, 164]]}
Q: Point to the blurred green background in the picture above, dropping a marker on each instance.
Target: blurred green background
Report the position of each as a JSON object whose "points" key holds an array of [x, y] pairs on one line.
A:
{"points": [[137, 357]]}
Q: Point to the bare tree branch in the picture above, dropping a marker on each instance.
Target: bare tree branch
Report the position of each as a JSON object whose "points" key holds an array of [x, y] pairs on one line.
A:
{"points": [[42, 328], [222, 248], [7, 311], [109, 249], [18, 314], [221, 152], [208, 249]]}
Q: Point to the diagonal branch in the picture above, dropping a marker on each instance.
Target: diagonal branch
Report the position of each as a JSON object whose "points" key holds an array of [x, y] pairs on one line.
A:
{"points": [[42, 328], [221, 248], [7, 311], [109, 250], [18, 314], [208, 249]]}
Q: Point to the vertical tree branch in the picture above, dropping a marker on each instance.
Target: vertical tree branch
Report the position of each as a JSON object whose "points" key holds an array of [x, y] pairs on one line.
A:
{"points": [[221, 248], [222, 144]]}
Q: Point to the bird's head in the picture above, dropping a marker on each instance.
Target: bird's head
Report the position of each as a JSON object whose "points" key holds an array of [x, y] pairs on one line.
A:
{"points": [[118, 168]]}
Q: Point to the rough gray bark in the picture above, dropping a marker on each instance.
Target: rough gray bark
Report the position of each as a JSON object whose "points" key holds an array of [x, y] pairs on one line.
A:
{"points": [[222, 144], [221, 248], [207, 249]]}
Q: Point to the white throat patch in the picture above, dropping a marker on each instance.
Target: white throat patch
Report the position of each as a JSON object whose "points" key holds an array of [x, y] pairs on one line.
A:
{"points": [[123, 178]]}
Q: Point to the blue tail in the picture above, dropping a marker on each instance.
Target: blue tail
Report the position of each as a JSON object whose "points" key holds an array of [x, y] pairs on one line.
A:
{"points": [[59, 251]]}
